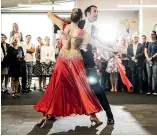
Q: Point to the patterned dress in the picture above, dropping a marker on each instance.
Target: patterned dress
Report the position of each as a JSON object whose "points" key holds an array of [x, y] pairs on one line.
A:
{"points": [[37, 67], [112, 65]]}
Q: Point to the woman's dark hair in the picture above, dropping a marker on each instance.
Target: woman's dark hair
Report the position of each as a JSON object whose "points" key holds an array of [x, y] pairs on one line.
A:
{"points": [[154, 33], [76, 15]]}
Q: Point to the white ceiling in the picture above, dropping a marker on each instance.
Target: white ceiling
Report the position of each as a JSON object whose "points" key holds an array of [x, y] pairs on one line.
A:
{"points": [[13, 3]]}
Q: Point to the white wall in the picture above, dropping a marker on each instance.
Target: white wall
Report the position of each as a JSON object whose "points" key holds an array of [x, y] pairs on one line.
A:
{"points": [[149, 14], [103, 4], [150, 19], [113, 18]]}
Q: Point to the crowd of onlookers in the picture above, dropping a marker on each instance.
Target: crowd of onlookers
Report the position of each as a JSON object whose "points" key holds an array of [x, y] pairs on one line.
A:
{"points": [[17, 60], [138, 58]]}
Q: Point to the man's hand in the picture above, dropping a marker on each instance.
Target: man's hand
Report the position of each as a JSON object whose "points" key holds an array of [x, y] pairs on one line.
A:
{"points": [[149, 59]]}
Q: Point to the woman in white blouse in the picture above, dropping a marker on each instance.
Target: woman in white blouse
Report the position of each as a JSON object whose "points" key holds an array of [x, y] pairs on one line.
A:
{"points": [[47, 60]]}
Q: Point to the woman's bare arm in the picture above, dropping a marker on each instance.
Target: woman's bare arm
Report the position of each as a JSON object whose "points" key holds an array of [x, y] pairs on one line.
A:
{"points": [[155, 55], [146, 53], [56, 19], [88, 39], [36, 53]]}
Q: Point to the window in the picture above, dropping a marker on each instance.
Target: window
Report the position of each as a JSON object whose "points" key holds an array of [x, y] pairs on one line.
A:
{"points": [[33, 24]]}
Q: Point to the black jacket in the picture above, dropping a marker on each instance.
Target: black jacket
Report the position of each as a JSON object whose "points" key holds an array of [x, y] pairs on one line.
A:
{"points": [[88, 56], [139, 55], [5, 62]]}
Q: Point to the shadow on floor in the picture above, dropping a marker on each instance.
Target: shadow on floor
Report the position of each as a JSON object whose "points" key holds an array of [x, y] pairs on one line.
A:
{"points": [[87, 131], [42, 131], [79, 130]]}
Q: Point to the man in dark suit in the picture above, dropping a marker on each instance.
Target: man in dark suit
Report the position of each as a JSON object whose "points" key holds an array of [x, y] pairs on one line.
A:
{"points": [[91, 14], [88, 24], [135, 53]]}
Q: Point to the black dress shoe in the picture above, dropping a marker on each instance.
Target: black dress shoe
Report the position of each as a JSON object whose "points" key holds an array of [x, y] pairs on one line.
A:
{"points": [[23, 91], [28, 90], [6, 92], [110, 121], [51, 118], [141, 92]]}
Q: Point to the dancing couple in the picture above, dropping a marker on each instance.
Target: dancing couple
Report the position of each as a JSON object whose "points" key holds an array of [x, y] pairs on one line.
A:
{"points": [[69, 91]]}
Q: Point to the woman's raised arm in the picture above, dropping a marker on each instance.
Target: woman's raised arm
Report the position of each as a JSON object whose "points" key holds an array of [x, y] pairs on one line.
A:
{"points": [[56, 19]]}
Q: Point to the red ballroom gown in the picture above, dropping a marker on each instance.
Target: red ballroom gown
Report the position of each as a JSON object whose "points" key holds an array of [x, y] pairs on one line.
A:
{"points": [[68, 91]]}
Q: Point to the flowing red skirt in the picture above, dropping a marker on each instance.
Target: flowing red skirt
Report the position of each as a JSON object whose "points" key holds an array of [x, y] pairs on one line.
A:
{"points": [[68, 91], [123, 76]]}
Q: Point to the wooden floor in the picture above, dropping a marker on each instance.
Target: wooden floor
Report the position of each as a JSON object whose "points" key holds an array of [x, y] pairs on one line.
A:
{"points": [[134, 114]]}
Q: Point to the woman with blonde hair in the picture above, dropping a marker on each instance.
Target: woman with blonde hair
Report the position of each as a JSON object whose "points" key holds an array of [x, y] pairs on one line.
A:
{"points": [[112, 67], [47, 59], [16, 30], [37, 67], [15, 57], [124, 59]]}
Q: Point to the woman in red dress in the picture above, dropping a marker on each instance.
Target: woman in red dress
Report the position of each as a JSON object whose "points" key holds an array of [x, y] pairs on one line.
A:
{"points": [[68, 91]]}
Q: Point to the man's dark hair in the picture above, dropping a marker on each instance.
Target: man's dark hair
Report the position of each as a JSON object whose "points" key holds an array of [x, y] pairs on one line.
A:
{"points": [[28, 35], [39, 37], [4, 35], [143, 36], [88, 9]]}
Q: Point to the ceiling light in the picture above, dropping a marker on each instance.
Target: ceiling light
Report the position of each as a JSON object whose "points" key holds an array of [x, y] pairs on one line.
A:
{"points": [[137, 6], [37, 5]]}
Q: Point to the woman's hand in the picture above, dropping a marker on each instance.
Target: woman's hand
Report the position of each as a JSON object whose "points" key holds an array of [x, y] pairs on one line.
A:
{"points": [[150, 62], [19, 56], [120, 61]]}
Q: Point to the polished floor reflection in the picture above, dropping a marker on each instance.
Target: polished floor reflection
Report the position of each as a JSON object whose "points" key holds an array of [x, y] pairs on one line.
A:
{"points": [[130, 120], [134, 114]]}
